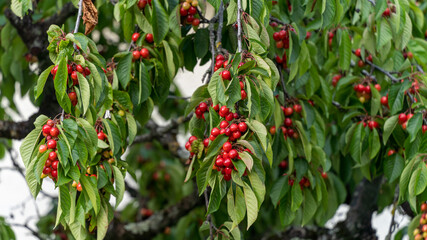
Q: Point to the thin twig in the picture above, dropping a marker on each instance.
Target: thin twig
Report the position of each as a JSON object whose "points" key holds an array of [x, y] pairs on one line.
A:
{"points": [[35, 233], [239, 26], [393, 214], [79, 16], [220, 24], [209, 217], [273, 19]]}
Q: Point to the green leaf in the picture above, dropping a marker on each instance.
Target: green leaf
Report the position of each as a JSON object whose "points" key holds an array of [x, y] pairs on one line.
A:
{"points": [[201, 42], [84, 92], [212, 87], [160, 22], [384, 33], [123, 69], [247, 159], [102, 221], [414, 125], [389, 126], [418, 181], [305, 143], [91, 191], [356, 143], [41, 81], [120, 184], [203, 174], [144, 83], [258, 187], [64, 195], [296, 197], [405, 178], [309, 207], [169, 59], [31, 179], [29, 144], [215, 146], [374, 144], [251, 205], [344, 51], [279, 189], [261, 133], [215, 198], [61, 77], [393, 167], [132, 128], [396, 96]]}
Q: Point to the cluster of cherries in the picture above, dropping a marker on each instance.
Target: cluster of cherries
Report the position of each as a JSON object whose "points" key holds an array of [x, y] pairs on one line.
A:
{"points": [[363, 91], [404, 118], [220, 61], [51, 133], [287, 127], [201, 109], [421, 231], [143, 52], [224, 161], [372, 124], [142, 3], [335, 79], [330, 38], [358, 53], [282, 39], [73, 69], [188, 12]]}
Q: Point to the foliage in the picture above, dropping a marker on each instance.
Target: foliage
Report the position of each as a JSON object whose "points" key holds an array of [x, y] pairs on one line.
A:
{"points": [[320, 85]]}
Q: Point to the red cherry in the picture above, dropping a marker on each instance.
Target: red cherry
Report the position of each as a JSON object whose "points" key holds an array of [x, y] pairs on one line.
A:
{"points": [[216, 107], [227, 162], [149, 38], [135, 37], [192, 10], [80, 69], [47, 170], [307, 35], [55, 165], [288, 111], [360, 63], [51, 144], [79, 185], [54, 132], [229, 117], [227, 171], [236, 135], [424, 128], [409, 116], [206, 142], [212, 137], [386, 12], [74, 75], [54, 173], [219, 162], [283, 164], [222, 131], [72, 96], [289, 131], [101, 136], [233, 154], [42, 148], [52, 156], [236, 115], [227, 132], [50, 123], [243, 127], [297, 108], [183, 12], [369, 58], [276, 36], [144, 53], [279, 60], [227, 177], [215, 132], [402, 118], [243, 94], [54, 70], [192, 139], [48, 163], [226, 146], [357, 52], [283, 34], [273, 130], [242, 85], [190, 18], [226, 75], [46, 129], [324, 175], [220, 57], [69, 69], [279, 44], [142, 4], [384, 101], [136, 55], [372, 124], [203, 107], [378, 87], [288, 122], [223, 111], [223, 124], [391, 152], [234, 127], [188, 146], [196, 22], [331, 35]]}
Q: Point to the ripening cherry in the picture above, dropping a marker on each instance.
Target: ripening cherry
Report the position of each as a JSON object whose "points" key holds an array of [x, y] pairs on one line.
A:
{"points": [[273, 130], [192, 139], [223, 124], [424, 128], [55, 165], [279, 44], [234, 127], [223, 111], [423, 207], [243, 94], [226, 75], [243, 127], [288, 122], [409, 116], [46, 129], [135, 37], [51, 144], [386, 12], [48, 162], [190, 18], [227, 177], [360, 63], [72, 96], [50, 123], [136, 55], [183, 12], [391, 152], [219, 162], [227, 162], [54, 132], [233, 154], [297, 108], [236, 135], [195, 22], [358, 52], [283, 164], [324, 175], [47, 170], [52, 156], [149, 38], [276, 36], [203, 107], [54, 173], [378, 87], [227, 146], [80, 69], [42, 148], [144, 53], [206, 142], [402, 118], [101, 136], [79, 187], [288, 111], [215, 132], [142, 4], [192, 10]]}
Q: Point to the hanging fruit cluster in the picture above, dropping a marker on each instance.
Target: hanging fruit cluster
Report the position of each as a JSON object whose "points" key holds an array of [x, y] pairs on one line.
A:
{"points": [[363, 91], [143, 3], [220, 61], [188, 12], [201, 109], [141, 52], [224, 161], [287, 128], [421, 231], [51, 133], [281, 38]]}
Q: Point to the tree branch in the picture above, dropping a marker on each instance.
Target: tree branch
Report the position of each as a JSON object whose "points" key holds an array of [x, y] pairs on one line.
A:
{"points": [[154, 225], [239, 26]]}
